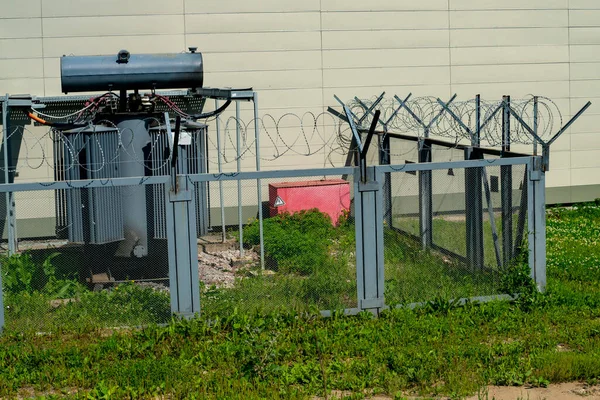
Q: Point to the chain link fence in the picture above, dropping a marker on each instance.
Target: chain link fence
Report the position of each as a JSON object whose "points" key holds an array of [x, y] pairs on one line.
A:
{"points": [[86, 260], [309, 245], [99, 254], [476, 227]]}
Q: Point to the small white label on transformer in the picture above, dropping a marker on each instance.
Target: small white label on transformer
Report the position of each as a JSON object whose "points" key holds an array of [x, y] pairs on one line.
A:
{"points": [[279, 202], [185, 138]]}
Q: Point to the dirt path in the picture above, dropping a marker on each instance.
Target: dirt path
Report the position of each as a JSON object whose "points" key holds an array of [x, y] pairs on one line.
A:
{"points": [[563, 391]]}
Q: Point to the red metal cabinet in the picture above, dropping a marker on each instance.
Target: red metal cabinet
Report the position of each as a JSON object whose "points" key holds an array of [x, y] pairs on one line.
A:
{"points": [[330, 196]]}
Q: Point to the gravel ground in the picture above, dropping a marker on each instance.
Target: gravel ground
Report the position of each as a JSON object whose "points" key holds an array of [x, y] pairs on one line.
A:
{"points": [[219, 268]]}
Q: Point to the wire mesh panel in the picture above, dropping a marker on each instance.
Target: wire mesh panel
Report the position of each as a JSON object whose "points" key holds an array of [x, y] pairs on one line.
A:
{"points": [[450, 240], [309, 248], [54, 282]]}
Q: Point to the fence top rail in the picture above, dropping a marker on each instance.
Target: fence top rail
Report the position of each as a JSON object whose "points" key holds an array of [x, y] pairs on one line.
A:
{"points": [[277, 174], [412, 167], [236, 176], [83, 184]]}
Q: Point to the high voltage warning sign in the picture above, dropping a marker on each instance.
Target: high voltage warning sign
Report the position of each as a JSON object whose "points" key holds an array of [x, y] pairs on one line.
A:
{"points": [[279, 202]]}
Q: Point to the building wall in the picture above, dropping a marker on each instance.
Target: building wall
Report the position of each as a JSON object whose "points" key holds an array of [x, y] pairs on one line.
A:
{"points": [[298, 54]]}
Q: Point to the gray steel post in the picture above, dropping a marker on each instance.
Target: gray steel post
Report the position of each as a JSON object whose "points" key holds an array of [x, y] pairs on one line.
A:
{"points": [[535, 124], [506, 187], [184, 282], [10, 201], [369, 240], [474, 211], [220, 167], [476, 139], [425, 197], [536, 207], [239, 182], [258, 181], [7, 195]]}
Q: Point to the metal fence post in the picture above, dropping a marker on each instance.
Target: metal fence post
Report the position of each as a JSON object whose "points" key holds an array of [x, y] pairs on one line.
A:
{"points": [[536, 207], [425, 197], [506, 187], [10, 217], [258, 181], [220, 169], [238, 157], [369, 240], [474, 210], [184, 281]]}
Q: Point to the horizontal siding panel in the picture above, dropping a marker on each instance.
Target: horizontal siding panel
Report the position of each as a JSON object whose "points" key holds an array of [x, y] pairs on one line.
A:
{"points": [[576, 104], [553, 90], [585, 141], [302, 100], [370, 92], [508, 19], [56, 47], [584, 5], [558, 177], [509, 55], [385, 58], [384, 20], [248, 6], [584, 18], [510, 73], [83, 8], [273, 41], [260, 80], [262, 61], [383, 5], [20, 48], [561, 159], [509, 37], [585, 176], [585, 159], [386, 76], [585, 71], [585, 53], [259, 22], [22, 68], [508, 4], [52, 67], [34, 86], [587, 123], [22, 9], [113, 26], [333, 40], [584, 35], [20, 28]]}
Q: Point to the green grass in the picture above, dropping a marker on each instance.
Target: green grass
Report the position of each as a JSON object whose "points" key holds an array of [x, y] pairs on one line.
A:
{"points": [[449, 231], [413, 275], [431, 351]]}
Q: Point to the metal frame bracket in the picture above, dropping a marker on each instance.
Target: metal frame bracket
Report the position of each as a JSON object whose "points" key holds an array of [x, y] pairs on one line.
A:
{"points": [[369, 186], [181, 195], [372, 303]]}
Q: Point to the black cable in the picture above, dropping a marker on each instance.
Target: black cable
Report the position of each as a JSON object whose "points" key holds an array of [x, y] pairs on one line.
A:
{"points": [[212, 113]]}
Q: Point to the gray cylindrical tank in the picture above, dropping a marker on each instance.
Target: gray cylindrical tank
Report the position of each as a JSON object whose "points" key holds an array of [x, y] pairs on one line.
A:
{"points": [[125, 71], [134, 137]]}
